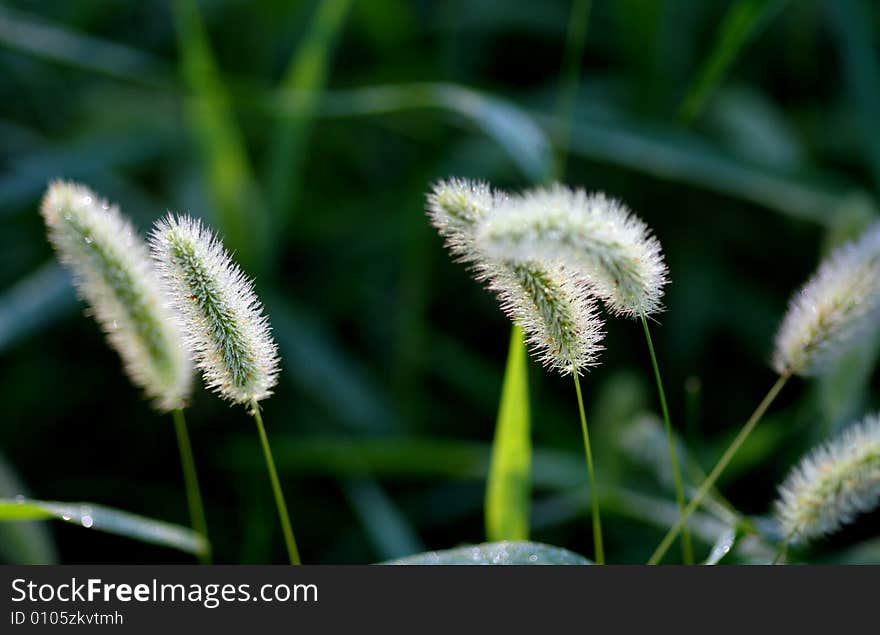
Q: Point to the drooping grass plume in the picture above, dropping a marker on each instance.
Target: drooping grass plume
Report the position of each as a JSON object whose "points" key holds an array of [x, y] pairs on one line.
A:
{"points": [[840, 303], [595, 236], [222, 318], [546, 299], [612, 252], [224, 323], [833, 484], [824, 319], [113, 274]]}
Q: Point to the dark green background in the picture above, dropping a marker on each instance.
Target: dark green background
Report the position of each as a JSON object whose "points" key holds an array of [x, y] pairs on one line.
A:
{"points": [[392, 355]]}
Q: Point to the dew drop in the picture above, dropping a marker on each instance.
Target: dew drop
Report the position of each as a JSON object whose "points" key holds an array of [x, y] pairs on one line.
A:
{"points": [[87, 521], [533, 557], [65, 517], [88, 239]]}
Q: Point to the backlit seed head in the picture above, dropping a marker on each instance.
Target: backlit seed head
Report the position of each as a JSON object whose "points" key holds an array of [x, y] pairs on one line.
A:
{"points": [[113, 274], [591, 234], [833, 484], [221, 315], [838, 305], [548, 300]]}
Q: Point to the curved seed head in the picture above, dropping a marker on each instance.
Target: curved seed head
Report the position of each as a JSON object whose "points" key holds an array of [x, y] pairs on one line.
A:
{"points": [[551, 304], [596, 236], [833, 484], [113, 274], [838, 305], [221, 315]]}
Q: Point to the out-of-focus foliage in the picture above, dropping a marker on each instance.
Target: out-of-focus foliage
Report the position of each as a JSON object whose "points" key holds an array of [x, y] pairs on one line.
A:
{"points": [[307, 133]]}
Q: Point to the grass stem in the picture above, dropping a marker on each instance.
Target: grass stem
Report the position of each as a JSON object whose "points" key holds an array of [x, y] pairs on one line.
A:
{"points": [[716, 472], [687, 552], [191, 482], [287, 530], [594, 493]]}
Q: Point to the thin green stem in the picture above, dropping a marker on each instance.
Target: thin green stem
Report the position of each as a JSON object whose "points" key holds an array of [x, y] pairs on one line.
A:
{"points": [[781, 553], [287, 530], [594, 493], [687, 552], [725, 459], [191, 482]]}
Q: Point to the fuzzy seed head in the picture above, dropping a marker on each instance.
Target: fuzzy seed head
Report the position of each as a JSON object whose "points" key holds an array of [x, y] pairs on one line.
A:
{"points": [[837, 306], [551, 304], [598, 237], [833, 484], [114, 276], [221, 315]]}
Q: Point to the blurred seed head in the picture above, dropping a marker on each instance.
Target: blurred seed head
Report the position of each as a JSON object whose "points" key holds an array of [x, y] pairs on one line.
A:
{"points": [[221, 315], [833, 484], [598, 237], [837, 306], [113, 274], [549, 302]]}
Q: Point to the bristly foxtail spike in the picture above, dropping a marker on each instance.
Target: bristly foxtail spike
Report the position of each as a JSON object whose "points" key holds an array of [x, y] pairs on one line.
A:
{"points": [[113, 274], [599, 238], [839, 304], [833, 484], [554, 309], [220, 314]]}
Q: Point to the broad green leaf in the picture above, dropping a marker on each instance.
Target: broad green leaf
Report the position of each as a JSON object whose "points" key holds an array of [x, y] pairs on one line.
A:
{"points": [[307, 73], [509, 485], [23, 542], [744, 20], [235, 196], [497, 553], [113, 521], [387, 528], [725, 543]]}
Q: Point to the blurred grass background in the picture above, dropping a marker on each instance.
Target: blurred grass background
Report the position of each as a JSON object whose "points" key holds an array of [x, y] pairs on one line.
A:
{"points": [[745, 133]]}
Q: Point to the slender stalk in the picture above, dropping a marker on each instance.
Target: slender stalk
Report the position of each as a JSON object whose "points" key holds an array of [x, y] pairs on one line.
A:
{"points": [[287, 530], [687, 552], [781, 553], [594, 493], [191, 481], [725, 459]]}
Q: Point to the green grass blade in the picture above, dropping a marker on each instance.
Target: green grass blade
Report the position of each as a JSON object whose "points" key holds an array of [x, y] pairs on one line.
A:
{"points": [[22, 542], [497, 553], [306, 75], [744, 20], [509, 484], [227, 171], [723, 546], [113, 521]]}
